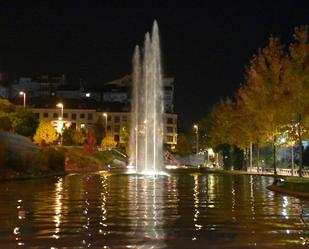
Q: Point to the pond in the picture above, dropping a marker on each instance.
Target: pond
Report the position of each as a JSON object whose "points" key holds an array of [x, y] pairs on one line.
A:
{"points": [[134, 211]]}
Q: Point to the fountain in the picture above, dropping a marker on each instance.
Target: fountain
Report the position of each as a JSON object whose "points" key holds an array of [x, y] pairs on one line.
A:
{"points": [[147, 106]]}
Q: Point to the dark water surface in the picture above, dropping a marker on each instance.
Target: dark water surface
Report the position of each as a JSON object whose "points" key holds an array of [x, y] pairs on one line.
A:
{"points": [[133, 211]]}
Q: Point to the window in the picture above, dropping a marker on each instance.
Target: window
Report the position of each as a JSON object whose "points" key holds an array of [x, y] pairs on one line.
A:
{"points": [[109, 128], [117, 119], [125, 119], [73, 116], [73, 126], [82, 115], [82, 126], [109, 118], [37, 115], [90, 116], [169, 121], [169, 139], [89, 125], [45, 114], [116, 138], [55, 115], [117, 128], [65, 115], [169, 129]]}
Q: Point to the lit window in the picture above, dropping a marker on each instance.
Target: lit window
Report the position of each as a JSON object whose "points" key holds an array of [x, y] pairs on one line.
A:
{"points": [[82, 126], [169, 139], [117, 119]]}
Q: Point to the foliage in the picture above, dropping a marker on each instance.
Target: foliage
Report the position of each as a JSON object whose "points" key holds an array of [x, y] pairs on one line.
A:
{"points": [[183, 147], [90, 143], [99, 130], [24, 122], [273, 101], [108, 142], [45, 133], [79, 136], [17, 119], [56, 160]]}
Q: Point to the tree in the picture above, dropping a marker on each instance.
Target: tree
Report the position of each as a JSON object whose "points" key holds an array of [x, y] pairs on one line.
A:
{"points": [[99, 130], [45, 133], [24, 122], [108, 142], [183, 146], [90, 143], [264, 95], [79, 136], [298, 86], [17, 119]]}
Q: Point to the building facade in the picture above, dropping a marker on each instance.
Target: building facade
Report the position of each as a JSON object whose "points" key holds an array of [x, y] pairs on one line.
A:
{"points": [[112, 121]]}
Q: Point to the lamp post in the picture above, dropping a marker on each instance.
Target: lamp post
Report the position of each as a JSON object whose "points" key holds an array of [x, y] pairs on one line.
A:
{"points": [[196, 131], [24, 95], [60, 105], [105, 115]]}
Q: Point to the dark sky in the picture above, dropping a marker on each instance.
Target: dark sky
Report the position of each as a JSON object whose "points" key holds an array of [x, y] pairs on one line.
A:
{"points": [[205, 44]]}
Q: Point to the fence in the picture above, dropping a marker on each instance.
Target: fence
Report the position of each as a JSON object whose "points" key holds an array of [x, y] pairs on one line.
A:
{"points": [[280, 171]]}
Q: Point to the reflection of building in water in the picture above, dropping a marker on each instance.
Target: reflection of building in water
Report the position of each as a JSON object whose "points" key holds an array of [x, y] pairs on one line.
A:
{"points": [[103, 198], [58, 207], [147, 194]]}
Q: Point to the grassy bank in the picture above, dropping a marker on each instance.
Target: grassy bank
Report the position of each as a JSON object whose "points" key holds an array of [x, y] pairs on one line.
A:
{"points": [[77, 160], [20, 158], [296, 186]]}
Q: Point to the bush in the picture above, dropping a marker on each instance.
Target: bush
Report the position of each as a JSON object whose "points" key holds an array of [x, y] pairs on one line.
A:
{"points": [[56, 160]]}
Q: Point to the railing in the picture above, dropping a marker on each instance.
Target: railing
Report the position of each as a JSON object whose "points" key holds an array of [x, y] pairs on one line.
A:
{"points": [[280, 171]]}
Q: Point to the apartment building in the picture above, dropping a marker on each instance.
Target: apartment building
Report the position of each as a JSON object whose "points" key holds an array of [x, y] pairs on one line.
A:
{"points": [[113, 121]]}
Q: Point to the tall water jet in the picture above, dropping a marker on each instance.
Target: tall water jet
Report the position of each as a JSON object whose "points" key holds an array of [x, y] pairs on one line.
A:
{"points": [[147, 107]]}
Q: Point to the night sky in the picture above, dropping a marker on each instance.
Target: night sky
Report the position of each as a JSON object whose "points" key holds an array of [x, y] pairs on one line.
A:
{"points": [[205, 44]]}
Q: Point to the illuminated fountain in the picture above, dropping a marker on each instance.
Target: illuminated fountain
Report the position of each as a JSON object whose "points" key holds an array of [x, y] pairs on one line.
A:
{"points": [[146, 139]]}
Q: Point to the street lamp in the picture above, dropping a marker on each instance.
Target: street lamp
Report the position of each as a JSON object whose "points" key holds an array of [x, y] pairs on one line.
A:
{"points": [[60, 122], [196, 131], [105, 115], [24, 95], [60, 105]]}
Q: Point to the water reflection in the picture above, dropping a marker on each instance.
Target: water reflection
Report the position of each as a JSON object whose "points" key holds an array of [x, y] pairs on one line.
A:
{"points": [[132, 211], [58, 207], [147, 193]]}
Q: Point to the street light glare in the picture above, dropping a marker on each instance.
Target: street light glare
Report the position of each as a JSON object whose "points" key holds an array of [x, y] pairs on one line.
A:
{"points": [[104, 114], [21, 93], [59, 105]]}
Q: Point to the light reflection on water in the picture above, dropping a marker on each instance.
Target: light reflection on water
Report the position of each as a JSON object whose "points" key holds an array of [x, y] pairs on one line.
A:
{"points": [[135, 211]]}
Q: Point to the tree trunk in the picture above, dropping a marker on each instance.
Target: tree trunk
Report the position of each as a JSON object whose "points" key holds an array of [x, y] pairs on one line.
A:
{"points": [[274, 156], [258, 157], [300, 145], [292, 159], [251, 156]]}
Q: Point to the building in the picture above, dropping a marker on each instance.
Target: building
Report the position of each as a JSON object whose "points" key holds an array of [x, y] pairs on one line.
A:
{"points": [[44, 85], [4, 92], [119, 91], [85, 118], [84, 114]]}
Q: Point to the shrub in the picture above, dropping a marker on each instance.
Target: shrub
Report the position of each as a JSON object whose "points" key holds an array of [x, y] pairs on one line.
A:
{"points": [[56, 159]]}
